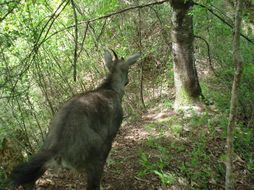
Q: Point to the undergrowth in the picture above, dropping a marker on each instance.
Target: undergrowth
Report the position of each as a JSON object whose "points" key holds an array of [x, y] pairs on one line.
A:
{"points": [[190, 152]]}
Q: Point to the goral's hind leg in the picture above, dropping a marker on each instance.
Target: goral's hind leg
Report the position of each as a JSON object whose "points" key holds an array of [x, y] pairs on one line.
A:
{"points": [[94, 174], [29, 186]]}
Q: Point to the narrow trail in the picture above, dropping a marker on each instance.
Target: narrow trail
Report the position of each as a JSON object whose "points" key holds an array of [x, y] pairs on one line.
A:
{"points": [[121, 170], [165, 138]]}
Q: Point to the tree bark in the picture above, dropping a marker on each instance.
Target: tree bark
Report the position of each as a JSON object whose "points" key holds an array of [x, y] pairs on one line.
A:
{"points": [[229, 182], [186, 81]]}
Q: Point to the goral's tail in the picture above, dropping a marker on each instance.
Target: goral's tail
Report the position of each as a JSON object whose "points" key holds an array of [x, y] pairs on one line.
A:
{"points": [[30, 171]]}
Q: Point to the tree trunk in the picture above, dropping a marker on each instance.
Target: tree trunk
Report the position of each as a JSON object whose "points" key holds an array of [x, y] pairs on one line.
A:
{"points": [[229, 183], [186, 81]]}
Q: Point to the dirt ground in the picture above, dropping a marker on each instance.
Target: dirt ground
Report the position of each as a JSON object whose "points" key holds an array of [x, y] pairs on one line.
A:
{"points": [[121, 170], [123, 164]]}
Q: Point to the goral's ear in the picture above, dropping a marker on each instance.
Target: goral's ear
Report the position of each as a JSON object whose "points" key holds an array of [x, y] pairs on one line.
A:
{"points": [[115, 57], [108, 59], [132, 59]]}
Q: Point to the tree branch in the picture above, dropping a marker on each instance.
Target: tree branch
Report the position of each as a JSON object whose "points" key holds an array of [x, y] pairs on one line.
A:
{"points": [[109, 15], [10, 11], [75, 57], [223, 20], [28, 59], [237, 60], [208, 53], [83, 40], [53, 17]]}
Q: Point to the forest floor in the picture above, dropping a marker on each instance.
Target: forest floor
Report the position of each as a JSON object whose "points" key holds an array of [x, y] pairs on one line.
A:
{"points": [[162, 151], [121, 171]]}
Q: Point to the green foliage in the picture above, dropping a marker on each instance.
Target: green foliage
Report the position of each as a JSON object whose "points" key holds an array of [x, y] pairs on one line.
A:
{"points": [[166, 178], [158, 167], [196, 153], [3, 182], [250, 164], [36, 77], [186, 155], [243, 145], [36, 59]]}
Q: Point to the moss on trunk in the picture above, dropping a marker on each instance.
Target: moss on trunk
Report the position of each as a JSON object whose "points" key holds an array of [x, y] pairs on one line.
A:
{"points": [[186, 81]]}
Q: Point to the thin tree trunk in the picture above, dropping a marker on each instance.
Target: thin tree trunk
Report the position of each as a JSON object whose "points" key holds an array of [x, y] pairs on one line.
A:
{"points": [[141, 63], [186, 81], [229, 183]]}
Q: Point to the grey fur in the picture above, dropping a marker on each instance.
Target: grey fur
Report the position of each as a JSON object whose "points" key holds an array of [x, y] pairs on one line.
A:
{"points": [[83, 130]]}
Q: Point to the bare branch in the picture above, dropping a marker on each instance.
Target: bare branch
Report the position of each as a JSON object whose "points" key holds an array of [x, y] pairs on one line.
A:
{"points": [[108, 15], [102, 30], [224, 21], [75, 57], [83, 40], [53, 17], [163, 32], [237, 60], [27, 61], [10, 11], [208, 53], [125, 10]]}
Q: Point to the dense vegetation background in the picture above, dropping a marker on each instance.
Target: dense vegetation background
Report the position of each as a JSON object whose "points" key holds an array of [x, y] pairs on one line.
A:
{"points": [[51, 50]]}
